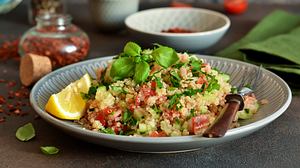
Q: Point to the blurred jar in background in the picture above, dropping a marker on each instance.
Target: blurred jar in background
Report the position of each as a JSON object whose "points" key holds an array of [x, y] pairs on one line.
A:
{"points": [[37, 7], [109, 15]]}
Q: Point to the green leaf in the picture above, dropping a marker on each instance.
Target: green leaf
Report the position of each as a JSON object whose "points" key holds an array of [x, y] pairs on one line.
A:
{"points": [[142, 71], [157, 109], [147, 58], [191, 92], [213, 85], [158, 82], [175, 79], [126, 116], [192, 113], [132, 49], [179, 65], [174, 100], [108, 131], [91, 93], [175, 74], [118, 89], [234, 90], [122, 68], [196, 65], [49, 150], [165, 56], [26, 132]]}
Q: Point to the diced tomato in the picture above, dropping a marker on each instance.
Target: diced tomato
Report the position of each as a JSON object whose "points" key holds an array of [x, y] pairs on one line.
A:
{"points": [[235, 6], [131, 107], [152, 93], [198, 123], [153, 85], [108, 110], [146, 91], [157, 134], [116, 130], [101, 118], [137, 101], [200, 81]]}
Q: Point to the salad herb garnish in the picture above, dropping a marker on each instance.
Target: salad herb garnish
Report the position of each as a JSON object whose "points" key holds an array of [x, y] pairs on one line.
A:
{"points": [[26, 132], [134, 62], [49, 150]]}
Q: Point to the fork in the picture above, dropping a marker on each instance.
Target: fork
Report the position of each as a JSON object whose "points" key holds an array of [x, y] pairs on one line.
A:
{"points": [[234, 103]]}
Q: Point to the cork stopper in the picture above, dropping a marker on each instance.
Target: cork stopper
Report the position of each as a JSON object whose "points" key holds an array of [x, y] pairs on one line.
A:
{"points": [[33, 67]]}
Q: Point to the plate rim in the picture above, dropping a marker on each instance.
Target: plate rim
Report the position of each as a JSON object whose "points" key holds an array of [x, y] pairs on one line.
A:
{"points": [[63, 124]]}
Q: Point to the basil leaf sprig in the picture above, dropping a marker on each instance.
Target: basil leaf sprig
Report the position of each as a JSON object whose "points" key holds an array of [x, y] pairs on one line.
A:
{"points": [[165, 56], [26, 132], [135, 62], [122, 68], [49, 150]]}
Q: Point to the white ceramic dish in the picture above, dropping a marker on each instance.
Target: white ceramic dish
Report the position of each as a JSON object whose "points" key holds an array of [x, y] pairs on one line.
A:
{"points": [[208, 26], [271, 87]]}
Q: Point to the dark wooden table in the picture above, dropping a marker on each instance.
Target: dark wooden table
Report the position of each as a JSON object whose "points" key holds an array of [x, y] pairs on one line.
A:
{"points": [[276, 145]]}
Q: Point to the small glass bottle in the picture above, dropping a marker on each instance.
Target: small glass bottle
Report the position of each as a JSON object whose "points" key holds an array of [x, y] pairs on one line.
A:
{"points": [[37, 7], [56, 37]]}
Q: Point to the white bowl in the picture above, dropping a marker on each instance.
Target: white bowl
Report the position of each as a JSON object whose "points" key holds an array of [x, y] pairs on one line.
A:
{"points": [[208, 27]]}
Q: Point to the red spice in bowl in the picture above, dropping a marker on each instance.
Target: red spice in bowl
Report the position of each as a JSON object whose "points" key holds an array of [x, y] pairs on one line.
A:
{"points": [[177, 30]]}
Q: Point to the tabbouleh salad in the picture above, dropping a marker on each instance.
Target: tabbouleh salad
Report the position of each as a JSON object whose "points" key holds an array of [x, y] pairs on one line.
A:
{"points": [[158, 92]]}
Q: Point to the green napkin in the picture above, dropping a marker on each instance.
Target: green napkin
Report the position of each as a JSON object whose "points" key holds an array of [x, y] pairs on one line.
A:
{"points": [[273, 42]]}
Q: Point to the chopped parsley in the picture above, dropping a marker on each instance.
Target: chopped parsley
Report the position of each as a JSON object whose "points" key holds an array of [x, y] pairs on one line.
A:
{"points": [[213, 84], [175, 79], [157, 109], [158, 82], [91, 93], [128, 119], [191, 92], [234, 90], [174, 100], [118, 89], [179, 65], [192, 113], [107, 131]]}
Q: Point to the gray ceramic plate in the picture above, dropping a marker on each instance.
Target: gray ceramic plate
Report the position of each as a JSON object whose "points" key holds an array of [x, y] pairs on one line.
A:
{"points": [[271, 87]]}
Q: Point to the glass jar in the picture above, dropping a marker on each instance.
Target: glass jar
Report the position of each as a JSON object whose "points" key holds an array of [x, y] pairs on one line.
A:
{"points": [[37, 7], [55, 37]]}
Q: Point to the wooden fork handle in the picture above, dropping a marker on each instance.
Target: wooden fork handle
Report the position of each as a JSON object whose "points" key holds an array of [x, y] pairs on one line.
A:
{"points": [[222, 123]]}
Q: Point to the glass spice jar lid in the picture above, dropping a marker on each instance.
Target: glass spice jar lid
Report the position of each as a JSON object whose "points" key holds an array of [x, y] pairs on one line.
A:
{"points": [[56, 37]]}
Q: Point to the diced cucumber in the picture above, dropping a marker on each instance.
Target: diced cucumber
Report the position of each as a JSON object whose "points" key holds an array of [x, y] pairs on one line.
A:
{"points": [[117, 89], [177, 124], [101, 88], [225, 77], [138, 114], [245, 114], [142, 128]]}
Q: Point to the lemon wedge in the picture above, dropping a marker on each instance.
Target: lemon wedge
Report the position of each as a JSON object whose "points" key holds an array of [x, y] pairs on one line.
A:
{"points": [[68, 103]]}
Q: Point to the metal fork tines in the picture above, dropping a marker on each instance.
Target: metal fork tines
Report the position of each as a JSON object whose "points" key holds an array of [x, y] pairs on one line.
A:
{"points": [[250, 81]]}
